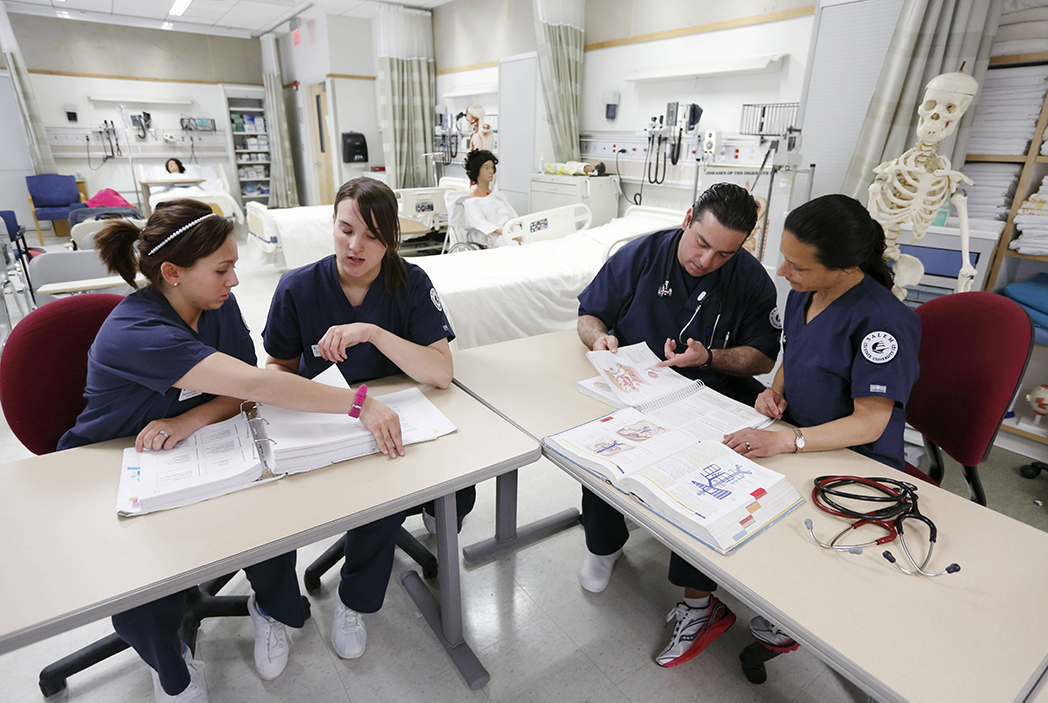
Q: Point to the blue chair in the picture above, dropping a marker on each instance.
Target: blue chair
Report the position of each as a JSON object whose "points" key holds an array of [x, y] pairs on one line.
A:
{"points": [[22, 253], [53, 197]]}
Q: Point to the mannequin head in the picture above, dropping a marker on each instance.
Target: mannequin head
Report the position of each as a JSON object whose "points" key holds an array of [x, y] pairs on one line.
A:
{"points": [[947, 98]]}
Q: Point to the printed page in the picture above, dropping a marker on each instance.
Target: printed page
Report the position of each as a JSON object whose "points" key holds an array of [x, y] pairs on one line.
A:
{"points": [[623, 443], [708, 415], [706, 480], [633, 377]]}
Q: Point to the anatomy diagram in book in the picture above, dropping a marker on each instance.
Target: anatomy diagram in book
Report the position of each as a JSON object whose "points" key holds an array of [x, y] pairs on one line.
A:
{"points": [[640, 431], [609, 447], [626, 378], [716, 479]]}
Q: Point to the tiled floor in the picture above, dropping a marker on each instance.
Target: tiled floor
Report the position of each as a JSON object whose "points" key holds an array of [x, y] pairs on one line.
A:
{"points": [[541, 637]]}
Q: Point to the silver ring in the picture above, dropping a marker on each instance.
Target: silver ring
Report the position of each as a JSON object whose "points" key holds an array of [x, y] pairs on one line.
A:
{"points": [[168, 434], [748, 447]]}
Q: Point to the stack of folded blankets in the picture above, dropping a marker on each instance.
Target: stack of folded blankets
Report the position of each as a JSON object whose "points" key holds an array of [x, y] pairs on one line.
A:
{"points": [[1023, 28], [991, 196], [1009, 104], [1031, 221], [1033, 296]]}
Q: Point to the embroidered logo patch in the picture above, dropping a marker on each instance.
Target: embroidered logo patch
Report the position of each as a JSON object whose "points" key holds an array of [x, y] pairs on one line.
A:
{"points": [[879, 347], [775, 318], [877, 388], [436, 299]]}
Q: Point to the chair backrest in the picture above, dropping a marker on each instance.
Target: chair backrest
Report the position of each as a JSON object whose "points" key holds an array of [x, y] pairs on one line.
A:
{"points": [[11, 223], [42, 383], [84, 232], [454, 200], [974, 350], [62, 266], [52, 190]]}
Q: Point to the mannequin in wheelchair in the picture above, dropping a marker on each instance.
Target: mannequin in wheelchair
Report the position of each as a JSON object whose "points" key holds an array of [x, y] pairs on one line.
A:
{"points": [[486, 211]]}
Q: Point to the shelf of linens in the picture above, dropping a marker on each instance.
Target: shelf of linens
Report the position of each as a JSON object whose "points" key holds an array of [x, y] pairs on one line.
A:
{"points": [[996, 158], [1016, 255], [1019, 59]]}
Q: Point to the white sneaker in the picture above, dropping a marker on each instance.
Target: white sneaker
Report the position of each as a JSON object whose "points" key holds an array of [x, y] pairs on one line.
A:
{"points": [[595, 574], [696, 628], [271, 642], [771, 635], [196, 691], [430, 522], [348, 634]]}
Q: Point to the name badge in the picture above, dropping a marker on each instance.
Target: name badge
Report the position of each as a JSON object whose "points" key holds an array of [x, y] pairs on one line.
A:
{"points": [[316, 351], [186, 395]]}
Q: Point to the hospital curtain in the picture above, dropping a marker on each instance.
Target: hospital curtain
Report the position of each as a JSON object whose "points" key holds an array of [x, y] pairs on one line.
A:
{"points": [[931, 37], [407, 90], [283, 191], [559, 27], [28, 110]]}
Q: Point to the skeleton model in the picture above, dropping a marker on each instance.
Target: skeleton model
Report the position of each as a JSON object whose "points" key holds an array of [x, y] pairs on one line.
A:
{"points": [[913, 187]]}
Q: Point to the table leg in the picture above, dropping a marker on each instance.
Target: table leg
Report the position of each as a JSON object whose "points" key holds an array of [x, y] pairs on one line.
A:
{"points": [[445, 618], [507, 534]]}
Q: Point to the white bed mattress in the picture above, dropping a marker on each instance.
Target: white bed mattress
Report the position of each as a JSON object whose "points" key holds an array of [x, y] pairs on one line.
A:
{"points": [[500, 294]]}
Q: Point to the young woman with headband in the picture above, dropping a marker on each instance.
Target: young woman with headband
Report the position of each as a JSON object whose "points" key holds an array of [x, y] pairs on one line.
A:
{"points": [[849, 349], [171, 358]]}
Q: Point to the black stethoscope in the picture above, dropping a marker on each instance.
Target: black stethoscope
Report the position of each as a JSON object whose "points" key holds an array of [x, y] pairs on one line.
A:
{"points": [[665, 291], [899, 501]]}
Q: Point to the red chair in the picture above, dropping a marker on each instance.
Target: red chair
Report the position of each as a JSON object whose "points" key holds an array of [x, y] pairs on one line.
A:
{"points": [[43, 370], [974, 351], [43, 374]]}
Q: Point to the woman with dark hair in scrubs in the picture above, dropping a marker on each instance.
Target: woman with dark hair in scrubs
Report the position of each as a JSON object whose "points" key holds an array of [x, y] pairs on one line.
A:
{"points": [[849, 349], [373, 314], [176, 356]]}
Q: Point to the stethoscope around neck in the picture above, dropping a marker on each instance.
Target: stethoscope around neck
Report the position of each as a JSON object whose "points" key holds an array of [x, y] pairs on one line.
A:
{"points": [[666, 290]]}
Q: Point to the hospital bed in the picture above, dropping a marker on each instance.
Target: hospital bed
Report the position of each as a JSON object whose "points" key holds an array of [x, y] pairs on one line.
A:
{"points": [[495, 295], [213, 190]]}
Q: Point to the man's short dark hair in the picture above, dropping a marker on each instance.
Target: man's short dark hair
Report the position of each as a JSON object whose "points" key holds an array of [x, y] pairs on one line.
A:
{"points": [[731, 204]]}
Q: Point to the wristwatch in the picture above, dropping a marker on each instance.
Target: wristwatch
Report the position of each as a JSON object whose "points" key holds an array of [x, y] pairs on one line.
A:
{"points": [[798, 441], [709, 360]]}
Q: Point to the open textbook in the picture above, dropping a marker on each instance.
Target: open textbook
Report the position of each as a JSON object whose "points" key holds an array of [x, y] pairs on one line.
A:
{"points": [[630, 378], [717, 496], [261, 444]]}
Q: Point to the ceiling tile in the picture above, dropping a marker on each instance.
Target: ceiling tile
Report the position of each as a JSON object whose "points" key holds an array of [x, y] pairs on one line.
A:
{"points": [[251, 15], [155, 9]]}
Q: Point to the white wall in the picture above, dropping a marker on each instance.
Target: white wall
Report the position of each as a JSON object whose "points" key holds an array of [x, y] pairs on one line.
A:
{"points": [[15, 164], [720, 97], [55, 92], [354, 102]]}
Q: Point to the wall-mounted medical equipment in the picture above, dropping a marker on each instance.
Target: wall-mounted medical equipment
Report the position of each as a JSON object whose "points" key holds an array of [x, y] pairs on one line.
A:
{"points": [[197, 124], [354, 148], [767, 135], [611, 104], [447, 136], [142, 123]]}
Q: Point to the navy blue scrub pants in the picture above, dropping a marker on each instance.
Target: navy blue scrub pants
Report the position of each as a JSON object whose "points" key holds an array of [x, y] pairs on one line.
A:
{"points": [[152, 629], [606, 533], [369, 556]]}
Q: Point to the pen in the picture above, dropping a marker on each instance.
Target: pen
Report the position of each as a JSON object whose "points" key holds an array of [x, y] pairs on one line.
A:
{"points": [[726, 338], [716, 321]]}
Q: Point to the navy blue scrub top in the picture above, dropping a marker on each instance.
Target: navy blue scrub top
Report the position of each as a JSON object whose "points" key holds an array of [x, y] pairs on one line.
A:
{"points": [[140, 351], [309, 300], [624, 296], [864, 344]]}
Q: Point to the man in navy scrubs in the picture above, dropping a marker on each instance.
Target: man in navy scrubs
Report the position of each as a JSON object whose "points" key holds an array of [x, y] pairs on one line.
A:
{"points": [[696, 297]]}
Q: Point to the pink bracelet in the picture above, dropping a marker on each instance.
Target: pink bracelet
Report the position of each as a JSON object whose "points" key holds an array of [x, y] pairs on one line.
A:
{"points": [[358, 401]]}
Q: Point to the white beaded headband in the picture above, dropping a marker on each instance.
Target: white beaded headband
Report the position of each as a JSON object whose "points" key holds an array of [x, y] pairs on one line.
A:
{"points": [[179, 231]]}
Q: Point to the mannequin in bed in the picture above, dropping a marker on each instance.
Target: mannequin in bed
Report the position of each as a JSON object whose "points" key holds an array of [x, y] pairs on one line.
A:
{"points": [[485, 210]]}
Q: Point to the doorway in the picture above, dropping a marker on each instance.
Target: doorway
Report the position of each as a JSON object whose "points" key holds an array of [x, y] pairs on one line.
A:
{"points": [[318, 118]]}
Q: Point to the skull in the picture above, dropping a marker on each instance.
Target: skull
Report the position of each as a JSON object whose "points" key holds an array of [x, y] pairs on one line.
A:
{"points": [[947, 98]]}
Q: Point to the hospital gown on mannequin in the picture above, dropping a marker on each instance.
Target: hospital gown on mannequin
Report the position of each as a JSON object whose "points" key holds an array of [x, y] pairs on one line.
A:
{"points": [[486, 214]]}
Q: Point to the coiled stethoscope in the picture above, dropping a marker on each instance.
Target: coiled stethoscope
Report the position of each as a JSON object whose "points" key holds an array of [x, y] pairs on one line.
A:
{"points": [[899, 500], [665, 291]]}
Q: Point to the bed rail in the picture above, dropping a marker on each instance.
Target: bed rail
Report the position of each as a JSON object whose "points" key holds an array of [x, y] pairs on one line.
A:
{"points": [[674, 218], [549, 224], [423, 205], [257, 216]]}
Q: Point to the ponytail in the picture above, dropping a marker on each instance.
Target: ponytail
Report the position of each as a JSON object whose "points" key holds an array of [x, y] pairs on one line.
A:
{"points": [[115, 245], [843, 234], [875, 266]]}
